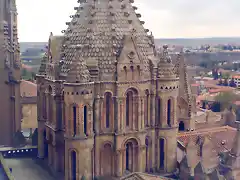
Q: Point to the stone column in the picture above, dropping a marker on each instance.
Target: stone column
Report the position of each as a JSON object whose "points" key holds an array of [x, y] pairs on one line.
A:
{"points": [[134, 113], [153, 110], [97, 115], [80, 120], [164, 113], [141, 158], [58, 112], [142, 114], [120, 115], [149, 111], [89, 123], [119, 163], [174, 112], [40, 141], [123, 114], [97, 159], [139, 115], [101, 114], [56, 159]]}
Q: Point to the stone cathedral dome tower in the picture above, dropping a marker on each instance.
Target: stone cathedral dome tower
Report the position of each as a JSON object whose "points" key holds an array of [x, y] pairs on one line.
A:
{"points": [[98, 86]]}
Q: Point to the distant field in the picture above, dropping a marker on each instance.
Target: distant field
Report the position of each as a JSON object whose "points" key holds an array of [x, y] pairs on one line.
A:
{"points": [[160, 41]]}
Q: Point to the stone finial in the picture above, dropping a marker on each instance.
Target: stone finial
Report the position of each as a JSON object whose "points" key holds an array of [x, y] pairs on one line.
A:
{"points": [[165, 58]]}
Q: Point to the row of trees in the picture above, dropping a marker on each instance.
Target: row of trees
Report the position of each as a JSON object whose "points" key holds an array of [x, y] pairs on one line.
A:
{"points": [[223, 100]]}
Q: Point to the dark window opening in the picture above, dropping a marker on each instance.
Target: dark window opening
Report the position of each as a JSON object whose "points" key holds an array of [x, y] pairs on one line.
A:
{"points": [[181, 126], [74, 120], [85, 120], [108, 109], [161, 144], [74, 165], [159, 111], [169, 112], [129, 107], [127, 157], [147, 109], [147, 149]]}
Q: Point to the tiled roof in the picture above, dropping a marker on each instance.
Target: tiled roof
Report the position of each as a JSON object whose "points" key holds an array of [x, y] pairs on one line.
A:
{"points": [[143, 176], [97, 31], [28, 89], [221, 137]]}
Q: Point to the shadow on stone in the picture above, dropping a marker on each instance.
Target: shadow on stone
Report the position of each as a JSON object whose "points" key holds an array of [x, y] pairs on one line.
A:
{"points": [[18, 139]]}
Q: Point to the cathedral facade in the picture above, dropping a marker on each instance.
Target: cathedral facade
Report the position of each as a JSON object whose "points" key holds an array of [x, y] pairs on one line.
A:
{"points": [[10, 73], [108, 103]]}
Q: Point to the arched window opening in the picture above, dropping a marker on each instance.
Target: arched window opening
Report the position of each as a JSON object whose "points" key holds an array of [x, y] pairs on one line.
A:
{"points": [[125, 71], [159, 110], [74, 120], [169, 112], [147, 149], [147, 108], [74, 165], [139, 71], [162, 154], [108, 99], [181, 126], [129, 107], [85, 119], [129, 156], [132, 70]]}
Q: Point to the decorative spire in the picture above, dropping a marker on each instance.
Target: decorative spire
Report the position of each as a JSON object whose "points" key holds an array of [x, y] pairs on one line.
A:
{"points": [[165, 66]]}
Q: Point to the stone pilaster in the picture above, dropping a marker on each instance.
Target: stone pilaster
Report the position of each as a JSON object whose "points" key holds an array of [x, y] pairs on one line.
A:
{"points": [[119, 163], [40, 141], [101, 121], [141, 158], [90, 122], [139, 114], [142, 114], [56, 159], [97, 115], [115, 116], [163, 113], [153, 110], [58, 112]]}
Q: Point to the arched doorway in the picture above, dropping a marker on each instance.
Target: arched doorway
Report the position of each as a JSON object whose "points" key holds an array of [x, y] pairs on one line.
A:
{"points": [[107, 160], [73, 165], [131, 155], [181, 126], [45, 144]]}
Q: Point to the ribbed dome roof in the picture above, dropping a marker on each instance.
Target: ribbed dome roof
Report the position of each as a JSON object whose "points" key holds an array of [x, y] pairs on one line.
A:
{"points": [[96, 34]]}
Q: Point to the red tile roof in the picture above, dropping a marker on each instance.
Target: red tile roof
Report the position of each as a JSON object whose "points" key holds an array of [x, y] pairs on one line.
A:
{"points": [[221, 137], [28, 89]]}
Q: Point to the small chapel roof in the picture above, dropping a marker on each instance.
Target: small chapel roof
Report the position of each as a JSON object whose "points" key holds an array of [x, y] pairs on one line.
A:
{"points": [[96, 33], [221, 137]]}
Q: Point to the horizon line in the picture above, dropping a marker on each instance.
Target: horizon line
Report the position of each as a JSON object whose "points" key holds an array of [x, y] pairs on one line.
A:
{"points": [[210, 37]]}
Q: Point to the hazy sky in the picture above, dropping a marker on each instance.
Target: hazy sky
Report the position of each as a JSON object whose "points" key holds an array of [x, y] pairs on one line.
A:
{"points": [[166, 18]]}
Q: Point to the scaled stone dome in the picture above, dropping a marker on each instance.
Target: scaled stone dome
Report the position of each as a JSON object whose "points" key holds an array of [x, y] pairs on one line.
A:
{"points": [[95, 35]]}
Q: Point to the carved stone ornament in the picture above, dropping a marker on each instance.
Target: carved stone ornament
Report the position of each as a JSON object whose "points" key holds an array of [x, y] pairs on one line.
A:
{"points": [[131, 55], [7, 61]]}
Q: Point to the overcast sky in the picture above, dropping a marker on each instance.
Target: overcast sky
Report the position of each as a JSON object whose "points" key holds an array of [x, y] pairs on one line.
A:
{"points": [[166, 18]]}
